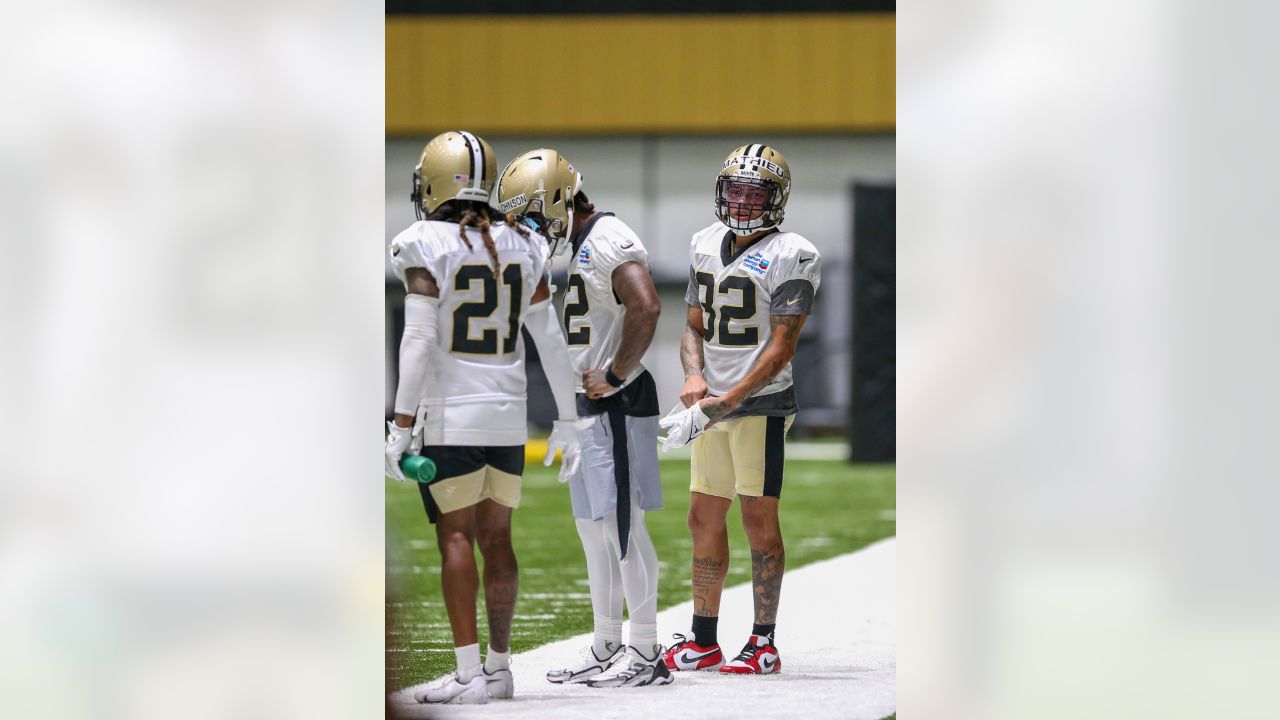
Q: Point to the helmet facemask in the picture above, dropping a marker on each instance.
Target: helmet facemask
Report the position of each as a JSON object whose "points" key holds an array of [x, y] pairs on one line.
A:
{"points": [[555, 230], [735, 205], [419, 212]]}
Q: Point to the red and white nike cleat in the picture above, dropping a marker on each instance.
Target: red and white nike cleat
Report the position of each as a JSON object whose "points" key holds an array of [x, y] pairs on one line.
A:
{"points": [[758, 657], [686, 654]]}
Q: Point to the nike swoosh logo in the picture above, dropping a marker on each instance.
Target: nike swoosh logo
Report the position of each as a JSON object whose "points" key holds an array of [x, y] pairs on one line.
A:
{"points": [[768, 664], [688, 657], [804, 260], [624, 247], [793, 301]]}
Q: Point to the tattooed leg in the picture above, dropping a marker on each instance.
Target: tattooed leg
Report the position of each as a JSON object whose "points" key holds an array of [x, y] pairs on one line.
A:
{"points": [[501, 576], [710, 551], [760, 520]]}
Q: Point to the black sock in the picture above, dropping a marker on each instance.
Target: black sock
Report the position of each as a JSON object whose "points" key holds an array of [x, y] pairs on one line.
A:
{"points": [[704, 630], [766, 630]]}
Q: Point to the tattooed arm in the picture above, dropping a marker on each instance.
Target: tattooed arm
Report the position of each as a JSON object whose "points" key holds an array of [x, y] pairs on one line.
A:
{"points": [[695, 388], [784, 334], [634, 287]]}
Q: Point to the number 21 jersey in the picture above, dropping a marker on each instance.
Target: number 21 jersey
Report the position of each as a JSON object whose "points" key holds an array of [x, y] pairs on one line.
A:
{"points": [[476, 388]]}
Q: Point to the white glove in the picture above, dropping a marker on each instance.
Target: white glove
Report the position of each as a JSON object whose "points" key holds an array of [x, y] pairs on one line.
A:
{"points": [[565, 437], [683, 424], [398, 440]]}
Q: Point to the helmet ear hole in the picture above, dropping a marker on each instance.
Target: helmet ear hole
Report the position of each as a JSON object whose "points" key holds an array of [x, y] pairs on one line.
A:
{"points": [[555, 200]]}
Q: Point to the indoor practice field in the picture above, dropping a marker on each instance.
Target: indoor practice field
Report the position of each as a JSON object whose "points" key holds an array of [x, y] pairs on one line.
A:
{"points": [[829, 508]]}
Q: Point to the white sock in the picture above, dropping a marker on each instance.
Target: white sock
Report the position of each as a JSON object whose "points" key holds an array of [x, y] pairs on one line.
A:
{"points": [[495, 661], [608, 636], [644, 636], [468, 661]]}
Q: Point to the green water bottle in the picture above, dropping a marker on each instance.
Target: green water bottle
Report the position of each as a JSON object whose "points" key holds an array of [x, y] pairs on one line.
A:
{"points": [[418, 468]]}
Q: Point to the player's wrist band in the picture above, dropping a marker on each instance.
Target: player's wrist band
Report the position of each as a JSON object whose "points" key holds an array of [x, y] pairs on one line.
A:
{"points": [[612, 379]]}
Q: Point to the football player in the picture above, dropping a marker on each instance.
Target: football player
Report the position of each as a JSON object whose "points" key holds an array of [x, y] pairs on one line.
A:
{"points": [[610, 312], [751, 286], [473, 280]]}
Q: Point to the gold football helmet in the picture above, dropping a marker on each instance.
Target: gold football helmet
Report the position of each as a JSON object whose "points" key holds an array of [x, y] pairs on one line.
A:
{"points": [[752, 189], [454, 165], [538, 187]]}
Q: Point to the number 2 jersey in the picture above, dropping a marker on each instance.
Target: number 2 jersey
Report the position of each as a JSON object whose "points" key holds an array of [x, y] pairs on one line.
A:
{"points": [[476, 388], [593, 313], [777, 274]]}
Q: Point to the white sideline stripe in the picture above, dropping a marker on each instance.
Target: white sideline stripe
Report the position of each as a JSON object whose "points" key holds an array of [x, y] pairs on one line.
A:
{"points": [[794, 451], [836, 636]]}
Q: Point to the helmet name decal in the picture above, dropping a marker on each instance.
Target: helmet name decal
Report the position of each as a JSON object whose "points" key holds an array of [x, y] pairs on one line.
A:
{"points": [[512, 204], [750, 162]]}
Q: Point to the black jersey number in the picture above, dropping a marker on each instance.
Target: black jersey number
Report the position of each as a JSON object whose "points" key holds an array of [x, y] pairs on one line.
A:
{"points": [[745, 310], [487, 343], [576, 309]]}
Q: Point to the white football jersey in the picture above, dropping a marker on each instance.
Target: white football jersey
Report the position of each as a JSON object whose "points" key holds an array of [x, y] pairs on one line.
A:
{"points": [[776, 275], [476, 389], [593, 314]]}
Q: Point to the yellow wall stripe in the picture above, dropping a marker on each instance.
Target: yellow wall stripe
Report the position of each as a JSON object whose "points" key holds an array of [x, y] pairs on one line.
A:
{"points": [[641, 74]]}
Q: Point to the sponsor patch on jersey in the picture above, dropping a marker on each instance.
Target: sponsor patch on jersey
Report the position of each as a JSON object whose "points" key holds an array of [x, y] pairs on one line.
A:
{"points": [[584, 256], [756, 263]]}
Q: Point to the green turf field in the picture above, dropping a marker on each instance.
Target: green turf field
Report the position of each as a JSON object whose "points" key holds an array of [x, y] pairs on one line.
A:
{"points": [[828, 509]]}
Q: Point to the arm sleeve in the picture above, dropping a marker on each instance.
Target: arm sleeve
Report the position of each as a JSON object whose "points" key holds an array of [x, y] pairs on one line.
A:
{"points": [[420, 316], [547, 336]]}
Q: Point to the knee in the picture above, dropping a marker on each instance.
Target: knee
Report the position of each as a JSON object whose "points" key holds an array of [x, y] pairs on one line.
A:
{"points": [[704, 524], [454, 545], [494, 540], [762, 529]]}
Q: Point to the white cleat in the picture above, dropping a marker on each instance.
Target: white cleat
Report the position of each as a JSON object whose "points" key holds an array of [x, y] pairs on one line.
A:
{"points": [[633, 669], [499, 684], [454, 692], [589, 667]]}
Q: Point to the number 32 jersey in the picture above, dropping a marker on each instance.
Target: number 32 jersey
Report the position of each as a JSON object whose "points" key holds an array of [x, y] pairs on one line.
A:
{"points": [[476, 390], [738, 291]]}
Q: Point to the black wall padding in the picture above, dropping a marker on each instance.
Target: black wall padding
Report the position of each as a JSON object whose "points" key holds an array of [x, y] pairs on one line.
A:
{"points": [[872, 411]]}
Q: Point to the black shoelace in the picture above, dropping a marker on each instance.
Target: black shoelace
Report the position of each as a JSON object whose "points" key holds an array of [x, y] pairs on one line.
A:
{"points": [[748, 651]]}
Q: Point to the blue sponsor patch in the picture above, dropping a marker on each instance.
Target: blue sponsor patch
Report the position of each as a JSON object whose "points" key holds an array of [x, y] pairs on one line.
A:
{"points": [[756, 263], [584, 256]]}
